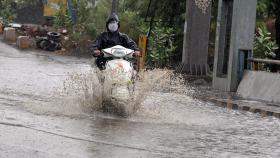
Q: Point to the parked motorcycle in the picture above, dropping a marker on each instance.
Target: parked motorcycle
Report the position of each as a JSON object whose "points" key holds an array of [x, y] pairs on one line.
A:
{"points": [[118, 80]]}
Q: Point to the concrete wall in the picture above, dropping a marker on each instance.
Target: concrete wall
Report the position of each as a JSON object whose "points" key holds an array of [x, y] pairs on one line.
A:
{"points": [[241, 38], [243, 25], [259, 85]]}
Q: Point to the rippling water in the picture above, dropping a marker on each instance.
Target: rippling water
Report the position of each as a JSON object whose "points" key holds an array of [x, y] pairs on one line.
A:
{"points": [[48, 108], [176, 125]]}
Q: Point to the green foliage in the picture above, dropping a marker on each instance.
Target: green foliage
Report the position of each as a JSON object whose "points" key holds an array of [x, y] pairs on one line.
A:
{"points": [[130, 25], [266, 9], [76, 36], [83, 10], [100, 13], [84, 25], [62, 20], [167, 10], [262, 8], [130, 20], [91, 30], [7, 12], [161, 46], [8, 8], [264, 46]]}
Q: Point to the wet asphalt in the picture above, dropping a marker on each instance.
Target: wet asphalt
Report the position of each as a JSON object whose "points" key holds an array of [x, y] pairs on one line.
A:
{"points": [[37, 121]]}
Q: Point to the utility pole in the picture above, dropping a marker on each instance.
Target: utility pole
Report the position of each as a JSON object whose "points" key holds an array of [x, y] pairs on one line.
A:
{"points": [[115, 6]]}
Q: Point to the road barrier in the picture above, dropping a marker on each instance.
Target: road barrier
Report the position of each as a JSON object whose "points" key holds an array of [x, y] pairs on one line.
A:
{"points": [[23, 42], [10, 34]]}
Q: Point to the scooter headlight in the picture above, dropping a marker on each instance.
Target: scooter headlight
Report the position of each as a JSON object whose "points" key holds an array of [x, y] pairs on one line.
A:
{"points": [[119, 53]]}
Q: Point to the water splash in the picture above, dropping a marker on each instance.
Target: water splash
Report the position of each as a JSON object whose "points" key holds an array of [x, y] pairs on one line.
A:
{"points": [[91, 95], [83, 89]]}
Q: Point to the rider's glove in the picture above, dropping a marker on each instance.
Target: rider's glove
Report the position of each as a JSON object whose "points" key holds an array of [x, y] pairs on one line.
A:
{"points": [[96, 53], [137, 53]]}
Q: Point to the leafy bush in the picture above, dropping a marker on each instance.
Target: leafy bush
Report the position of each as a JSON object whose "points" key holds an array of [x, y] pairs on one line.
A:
{"points": [[7, 12], [8, 8], [264, 46], [62, 20], [91, 30], [130, 24], [161, 46], [130, 20], [75, 36], [99, 14], [83, 27]]}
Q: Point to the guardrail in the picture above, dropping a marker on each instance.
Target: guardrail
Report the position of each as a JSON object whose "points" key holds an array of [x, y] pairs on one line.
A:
{"points": [[257, 61], [266, 61], [247, 62]]}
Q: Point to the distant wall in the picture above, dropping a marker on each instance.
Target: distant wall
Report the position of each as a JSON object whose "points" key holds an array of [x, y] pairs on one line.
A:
{"points": [[32, 14], [260, 85]]}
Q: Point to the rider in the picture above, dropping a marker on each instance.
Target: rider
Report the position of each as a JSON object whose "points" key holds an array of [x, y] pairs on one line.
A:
{"points": [[110, 38]]}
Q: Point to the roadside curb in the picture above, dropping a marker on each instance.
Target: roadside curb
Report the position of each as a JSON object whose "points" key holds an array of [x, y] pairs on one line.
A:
{"points": [[264, 109]]}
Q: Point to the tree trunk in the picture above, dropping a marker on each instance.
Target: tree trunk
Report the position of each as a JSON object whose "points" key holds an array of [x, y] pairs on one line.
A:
{"points": [[115, 6]]}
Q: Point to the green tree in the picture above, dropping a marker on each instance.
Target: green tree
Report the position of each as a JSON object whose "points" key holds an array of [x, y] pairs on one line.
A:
{"points": [[264, 46], [7, 12], [161, 47], [270, 9], [170, 14], [8, 8]]}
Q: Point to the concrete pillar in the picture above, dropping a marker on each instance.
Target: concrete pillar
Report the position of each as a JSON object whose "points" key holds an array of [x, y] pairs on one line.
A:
{"points": [[234, 40], [196, 38]]}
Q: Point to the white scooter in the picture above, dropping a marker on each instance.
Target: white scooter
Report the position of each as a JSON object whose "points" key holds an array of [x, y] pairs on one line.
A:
{"points": [[118, 80]]}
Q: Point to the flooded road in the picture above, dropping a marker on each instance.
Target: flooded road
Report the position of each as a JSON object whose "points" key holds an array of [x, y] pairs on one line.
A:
{"points": [[38, 119]]}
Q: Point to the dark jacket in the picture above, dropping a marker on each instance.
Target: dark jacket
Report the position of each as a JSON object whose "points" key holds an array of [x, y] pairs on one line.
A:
{"points": [[108, 39]]}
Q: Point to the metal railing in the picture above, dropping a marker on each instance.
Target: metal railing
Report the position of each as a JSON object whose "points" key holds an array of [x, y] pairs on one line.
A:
{"points": [[259, 64]]}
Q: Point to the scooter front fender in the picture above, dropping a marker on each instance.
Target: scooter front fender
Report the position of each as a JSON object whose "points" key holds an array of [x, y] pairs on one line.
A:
{"points": [[118, 71]]}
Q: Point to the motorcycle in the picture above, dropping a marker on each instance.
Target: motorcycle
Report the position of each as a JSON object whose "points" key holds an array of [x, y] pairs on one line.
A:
{"points": [[118, 80]]}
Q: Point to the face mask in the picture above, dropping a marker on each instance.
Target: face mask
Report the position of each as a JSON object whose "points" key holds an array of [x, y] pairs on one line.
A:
{"points": [[113, 26]]}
